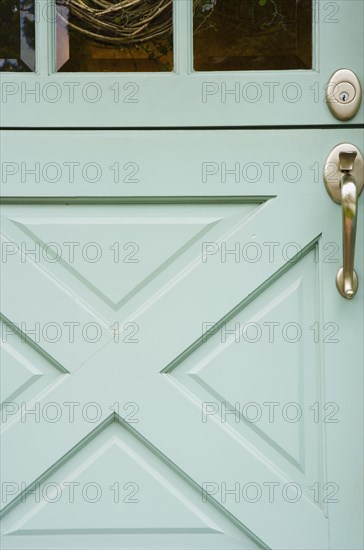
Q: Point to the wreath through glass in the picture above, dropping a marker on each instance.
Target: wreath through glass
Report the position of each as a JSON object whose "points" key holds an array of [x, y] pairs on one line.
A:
{"points": [[137, 35]]}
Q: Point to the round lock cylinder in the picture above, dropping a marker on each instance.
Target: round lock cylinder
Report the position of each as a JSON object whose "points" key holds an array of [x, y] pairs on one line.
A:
{"points": [[343, 94]]}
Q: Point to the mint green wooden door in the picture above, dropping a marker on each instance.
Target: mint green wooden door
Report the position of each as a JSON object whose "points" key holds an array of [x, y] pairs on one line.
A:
{"points": [[178, 368]]}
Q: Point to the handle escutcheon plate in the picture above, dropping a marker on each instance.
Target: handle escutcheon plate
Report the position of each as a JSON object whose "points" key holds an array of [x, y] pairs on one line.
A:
{"points": [[333, 173]]}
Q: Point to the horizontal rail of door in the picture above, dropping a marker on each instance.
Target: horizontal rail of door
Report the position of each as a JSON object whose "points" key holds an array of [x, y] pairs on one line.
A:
{"points": [[160, 165]]}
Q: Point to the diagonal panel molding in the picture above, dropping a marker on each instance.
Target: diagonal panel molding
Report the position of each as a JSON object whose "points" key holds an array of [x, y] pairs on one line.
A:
{"points": [[16, 374], [121, 485], [133, 244], [122, 243], [262, 362], [25, 368], [228, 462], [199, 292], [204, 291], [49, 315]]}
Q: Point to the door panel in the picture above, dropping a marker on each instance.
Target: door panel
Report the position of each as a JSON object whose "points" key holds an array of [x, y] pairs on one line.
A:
{"points": [[180, 369], [265, 91]]}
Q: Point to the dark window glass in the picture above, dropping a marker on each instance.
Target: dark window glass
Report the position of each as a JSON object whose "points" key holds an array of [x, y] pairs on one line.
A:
{"points": [[242, 35], [17, 35]]}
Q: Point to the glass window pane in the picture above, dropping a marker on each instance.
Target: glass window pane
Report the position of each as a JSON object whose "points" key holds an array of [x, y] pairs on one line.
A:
{"points": [[17, 35], [243, 35], [114, 35]]}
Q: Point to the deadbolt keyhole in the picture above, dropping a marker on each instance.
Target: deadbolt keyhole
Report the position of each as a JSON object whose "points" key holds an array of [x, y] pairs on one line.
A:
{"points": [[344, 96]]}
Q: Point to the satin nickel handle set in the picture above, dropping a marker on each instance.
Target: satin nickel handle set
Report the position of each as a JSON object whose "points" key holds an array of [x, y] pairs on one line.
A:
{"points": [[344, 173], [344, 179]]}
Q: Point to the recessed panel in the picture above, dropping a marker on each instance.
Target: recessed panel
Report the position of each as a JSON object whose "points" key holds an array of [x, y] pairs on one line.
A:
{"points": [[257, 371], [115, 251], [123, 495]]}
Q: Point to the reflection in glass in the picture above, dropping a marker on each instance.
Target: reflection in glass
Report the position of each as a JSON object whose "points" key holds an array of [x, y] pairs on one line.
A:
{"points": [[17, 35], [114, 35], [237, 35]]}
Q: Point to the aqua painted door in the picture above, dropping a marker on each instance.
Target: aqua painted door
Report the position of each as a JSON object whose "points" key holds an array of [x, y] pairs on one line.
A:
{"points": [[178, 368], [69, 83]]}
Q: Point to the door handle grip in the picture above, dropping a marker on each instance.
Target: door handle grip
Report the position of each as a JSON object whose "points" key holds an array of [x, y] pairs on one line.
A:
{"points": [[344, 186], [346, 278]]}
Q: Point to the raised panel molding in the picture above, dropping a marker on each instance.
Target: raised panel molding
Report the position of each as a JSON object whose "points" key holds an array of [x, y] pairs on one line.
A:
{"points": [[115, 484], [258, 372]]}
